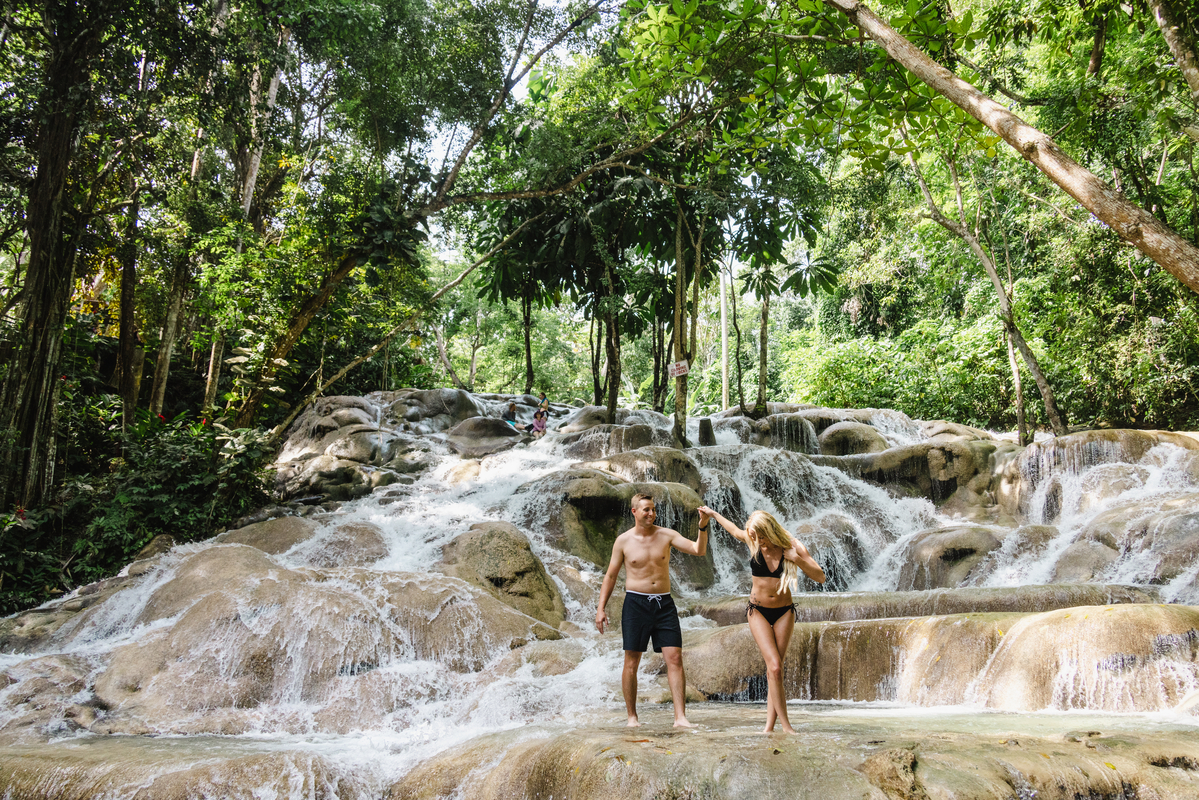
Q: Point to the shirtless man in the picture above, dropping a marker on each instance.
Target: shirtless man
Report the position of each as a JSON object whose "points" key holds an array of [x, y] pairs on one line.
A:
{"points": [[648, 607]]}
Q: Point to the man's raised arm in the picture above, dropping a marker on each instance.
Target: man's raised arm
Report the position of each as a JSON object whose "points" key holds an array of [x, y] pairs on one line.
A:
{"points": [[694, 548]]}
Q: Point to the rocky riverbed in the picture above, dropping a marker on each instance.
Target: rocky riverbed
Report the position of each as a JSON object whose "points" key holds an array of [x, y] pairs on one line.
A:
{"points": [[413, 618]]}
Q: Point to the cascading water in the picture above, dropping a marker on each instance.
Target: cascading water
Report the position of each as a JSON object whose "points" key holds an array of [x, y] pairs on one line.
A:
{"points": [[378, 668]]}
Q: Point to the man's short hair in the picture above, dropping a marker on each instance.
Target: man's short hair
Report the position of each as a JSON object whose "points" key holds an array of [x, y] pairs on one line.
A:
{"points": [[637, 498]]}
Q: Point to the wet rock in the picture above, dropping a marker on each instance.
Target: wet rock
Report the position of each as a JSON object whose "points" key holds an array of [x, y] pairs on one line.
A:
{"points": [[932, 469], [160, 544], [846, 606], [428, 411], [851, 438], [584, 510], [482, 436], [348, 544], [792, 432], [941, 430], [545, 659], [845, 759], [496, 557], [651, 465], [1161, 533], [945, 557], [1084, 560], [465, 472], [707, 436], [233, 649], [600, 441], [740, 427], [591, 416], [36, 695], [1108, 658], [1074, 454], [1108, 481], [129, 767], [272, 536]]}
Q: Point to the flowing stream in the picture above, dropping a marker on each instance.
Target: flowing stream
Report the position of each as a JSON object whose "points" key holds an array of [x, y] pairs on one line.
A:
{"points": [[428, 707]]}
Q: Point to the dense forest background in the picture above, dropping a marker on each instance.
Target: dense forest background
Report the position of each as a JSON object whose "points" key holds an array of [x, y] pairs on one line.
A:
{"points": [[214, 213]]}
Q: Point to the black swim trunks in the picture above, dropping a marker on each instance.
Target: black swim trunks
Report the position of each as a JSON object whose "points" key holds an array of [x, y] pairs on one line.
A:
{"points": [[646, 615]]}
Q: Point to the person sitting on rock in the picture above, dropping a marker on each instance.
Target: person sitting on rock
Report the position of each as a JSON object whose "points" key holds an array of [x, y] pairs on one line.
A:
{"points": [[771, 610], [509, 416], [649, 610], [539, 423]]}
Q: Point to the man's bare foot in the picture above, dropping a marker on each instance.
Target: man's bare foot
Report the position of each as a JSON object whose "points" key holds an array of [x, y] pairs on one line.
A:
{"points": [[633, 723], [682, 722]]}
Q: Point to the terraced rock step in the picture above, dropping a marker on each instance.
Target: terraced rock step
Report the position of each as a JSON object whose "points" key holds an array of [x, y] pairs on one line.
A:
{"points": [[844, 606]]}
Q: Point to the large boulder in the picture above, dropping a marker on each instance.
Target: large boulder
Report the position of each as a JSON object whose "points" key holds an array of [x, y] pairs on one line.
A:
{"points": [[496, 557], [423, 411], [274, 536], [43, 697], [583, 511], [651, 465], [590, 416], [342, 544], [945, 557], [929, 469], [851, 438], [276, 637], [1072, 455], [1161, 535], [482, 436], [1105, 658], [600, 441], [1082, 561]]}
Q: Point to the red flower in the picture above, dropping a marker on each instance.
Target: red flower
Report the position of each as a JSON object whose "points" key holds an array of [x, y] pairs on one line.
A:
{"points": [[203, 422], [161, 417], [20, 513]]}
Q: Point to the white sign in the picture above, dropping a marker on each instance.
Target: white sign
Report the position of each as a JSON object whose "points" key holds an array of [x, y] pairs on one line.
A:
{"points": [[679, 368]]}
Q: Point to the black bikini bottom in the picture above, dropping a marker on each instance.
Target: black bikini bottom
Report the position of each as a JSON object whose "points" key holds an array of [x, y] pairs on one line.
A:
{"points": [[771, 615]]}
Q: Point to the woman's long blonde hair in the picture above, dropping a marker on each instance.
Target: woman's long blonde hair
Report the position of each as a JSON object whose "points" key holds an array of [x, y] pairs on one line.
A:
{"points": [[765, 526]]}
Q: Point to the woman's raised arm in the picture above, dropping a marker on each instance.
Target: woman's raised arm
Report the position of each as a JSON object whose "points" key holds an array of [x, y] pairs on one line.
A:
{"points": [[733, 530]]}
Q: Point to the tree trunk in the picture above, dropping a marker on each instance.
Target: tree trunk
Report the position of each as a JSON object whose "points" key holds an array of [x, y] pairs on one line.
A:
{"points": [[526, 307], [444, 356], [1021, 422], [128, 380], [1179, 35], [724, 341], [262, 109], [1133, 224], [959, 229], [760, 409], [613, 347], [1098, 46], [28, 398], [170, 329], [679, 430], [211, 383], [287, 340], [596, 340]]}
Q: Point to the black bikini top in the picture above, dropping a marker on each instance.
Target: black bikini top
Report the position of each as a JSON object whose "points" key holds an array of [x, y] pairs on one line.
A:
{"points": [[758, 568]]}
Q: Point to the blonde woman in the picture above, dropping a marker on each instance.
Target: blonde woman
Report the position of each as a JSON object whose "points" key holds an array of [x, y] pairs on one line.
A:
{"points": [[775, 558]]}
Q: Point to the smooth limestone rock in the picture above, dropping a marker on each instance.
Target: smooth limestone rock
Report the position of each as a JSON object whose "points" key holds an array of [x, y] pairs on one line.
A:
{"points": [[482, 436], [1110, 658], [601, 441], [831, 758], [584, 510], [851, 438], [651, 465], [1017, 479], [846, 606], [945, 557], [164, 769], [343, 544], [37, 697], [591, 416], [939, 429], [1083, 560], [273, 536], [923, 661], [496, 557]]}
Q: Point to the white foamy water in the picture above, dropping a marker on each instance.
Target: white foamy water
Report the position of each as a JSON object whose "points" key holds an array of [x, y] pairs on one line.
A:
{"points": [[423, 701]]}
